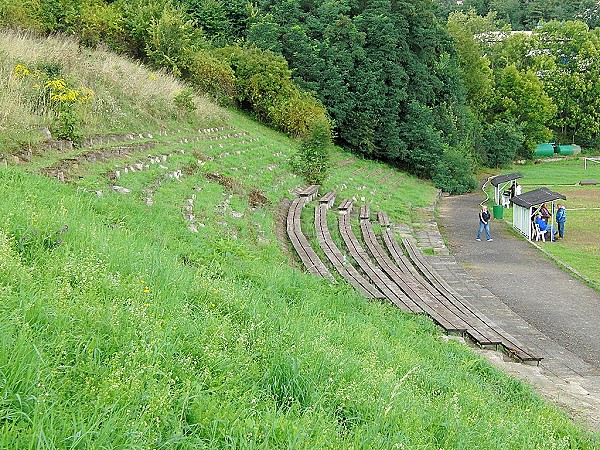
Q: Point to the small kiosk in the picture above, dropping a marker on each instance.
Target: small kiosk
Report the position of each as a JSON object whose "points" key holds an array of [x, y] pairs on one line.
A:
{"points": [[527, 205], [504, 185]]}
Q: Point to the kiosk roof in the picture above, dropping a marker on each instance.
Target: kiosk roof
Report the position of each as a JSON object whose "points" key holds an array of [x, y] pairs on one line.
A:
{"points": [[504, 178], [536, 197]]}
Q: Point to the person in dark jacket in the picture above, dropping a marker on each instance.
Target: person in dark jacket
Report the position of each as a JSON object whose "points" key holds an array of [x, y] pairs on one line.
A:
{"points": [[545, 213], [561, 218], [484, 223]]}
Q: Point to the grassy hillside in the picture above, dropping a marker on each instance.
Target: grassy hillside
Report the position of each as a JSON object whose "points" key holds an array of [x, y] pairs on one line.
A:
{"points": [[150, 301], [125, 97]]}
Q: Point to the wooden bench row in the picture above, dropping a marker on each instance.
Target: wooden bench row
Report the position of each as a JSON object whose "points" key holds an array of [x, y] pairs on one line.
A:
{"points": [[328, 199], [409, 282], [338, 259], [309, 192], [309, 257], [444, 314], [482, 327], [372, 271]]}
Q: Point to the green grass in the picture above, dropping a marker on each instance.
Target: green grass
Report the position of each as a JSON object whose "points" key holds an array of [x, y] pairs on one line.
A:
{"points": [[122, 329]]}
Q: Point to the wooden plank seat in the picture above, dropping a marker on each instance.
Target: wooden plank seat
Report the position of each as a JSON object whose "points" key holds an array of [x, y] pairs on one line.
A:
{"points": [[444, 314], [339, 260], [365, 212], [383, 219], [509, 343], [309, 192], [391, 291], [309, 257], [345, 207], [328, 199]]}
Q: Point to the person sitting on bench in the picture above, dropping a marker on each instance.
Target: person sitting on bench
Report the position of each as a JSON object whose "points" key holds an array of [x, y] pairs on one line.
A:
{"points": [[542, 226]]}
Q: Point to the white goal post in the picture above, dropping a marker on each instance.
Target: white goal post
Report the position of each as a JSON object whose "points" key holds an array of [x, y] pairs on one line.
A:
{"points": [[595, 159]]}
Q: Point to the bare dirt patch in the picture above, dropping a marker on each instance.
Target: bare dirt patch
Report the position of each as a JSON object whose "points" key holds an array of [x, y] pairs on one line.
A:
{"points": [[228, 183], [256, 199]]}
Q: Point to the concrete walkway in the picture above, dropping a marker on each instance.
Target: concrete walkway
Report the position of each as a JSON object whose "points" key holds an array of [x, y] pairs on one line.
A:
{"points": [[519, 289]]}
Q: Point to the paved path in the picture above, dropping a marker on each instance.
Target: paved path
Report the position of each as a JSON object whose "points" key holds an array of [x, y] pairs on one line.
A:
{"points": [[523, 292]]}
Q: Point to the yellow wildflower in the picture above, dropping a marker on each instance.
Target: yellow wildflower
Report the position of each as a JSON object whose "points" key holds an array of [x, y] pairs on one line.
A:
{"points": [[21, 71]]}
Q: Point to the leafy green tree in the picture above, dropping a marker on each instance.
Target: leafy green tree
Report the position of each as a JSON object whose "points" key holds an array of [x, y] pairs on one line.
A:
{"points": [[311, 162], [521, 99], [508, 11], [481, 7], [568, 62], [101, 23], [223, 22], [264, 85], [172, 39], [423, 146], [210, 75], [454, 172], [265, 34], [210, 16], [475, 68], [137, 16], [262, 77]]}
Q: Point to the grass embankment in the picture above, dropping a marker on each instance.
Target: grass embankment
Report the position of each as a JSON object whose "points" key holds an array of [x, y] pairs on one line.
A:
{"points": [[121, 328], [579, 249]]}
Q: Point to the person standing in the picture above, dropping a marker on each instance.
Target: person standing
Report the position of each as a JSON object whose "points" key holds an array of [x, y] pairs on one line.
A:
{"points": [[484, 223], [545, 213], [561, 218]]}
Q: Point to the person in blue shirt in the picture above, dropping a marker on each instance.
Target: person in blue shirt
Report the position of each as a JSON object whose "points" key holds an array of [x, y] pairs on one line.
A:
{"points": [[541, 223], [561, 218]]}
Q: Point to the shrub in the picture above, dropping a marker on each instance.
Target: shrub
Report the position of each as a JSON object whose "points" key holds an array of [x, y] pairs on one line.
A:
{"points": [[184, 100], [211, 75], [99, 23], [263, 79], [501, 142], [454, 172], [50, 93], [171, 41], [311, 160], [21, 13], [297, 113]]}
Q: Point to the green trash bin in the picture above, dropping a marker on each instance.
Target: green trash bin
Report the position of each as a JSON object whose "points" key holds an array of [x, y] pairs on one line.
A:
{"points": [[498, 211]]}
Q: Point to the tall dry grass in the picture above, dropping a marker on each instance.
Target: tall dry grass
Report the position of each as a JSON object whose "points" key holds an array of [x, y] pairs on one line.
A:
{"points": [[127, 96]]}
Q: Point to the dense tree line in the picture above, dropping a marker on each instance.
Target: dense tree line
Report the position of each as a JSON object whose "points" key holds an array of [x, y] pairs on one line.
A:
{"points": [[527, 14], [392, 81], [386, 71], [529, 87]]}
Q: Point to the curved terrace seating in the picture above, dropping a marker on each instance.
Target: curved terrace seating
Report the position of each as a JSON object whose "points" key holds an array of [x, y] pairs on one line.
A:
{"points": [[444, 314], [384, 271], [338, 260], [372, 270], [309, 257], [481, 324]]}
